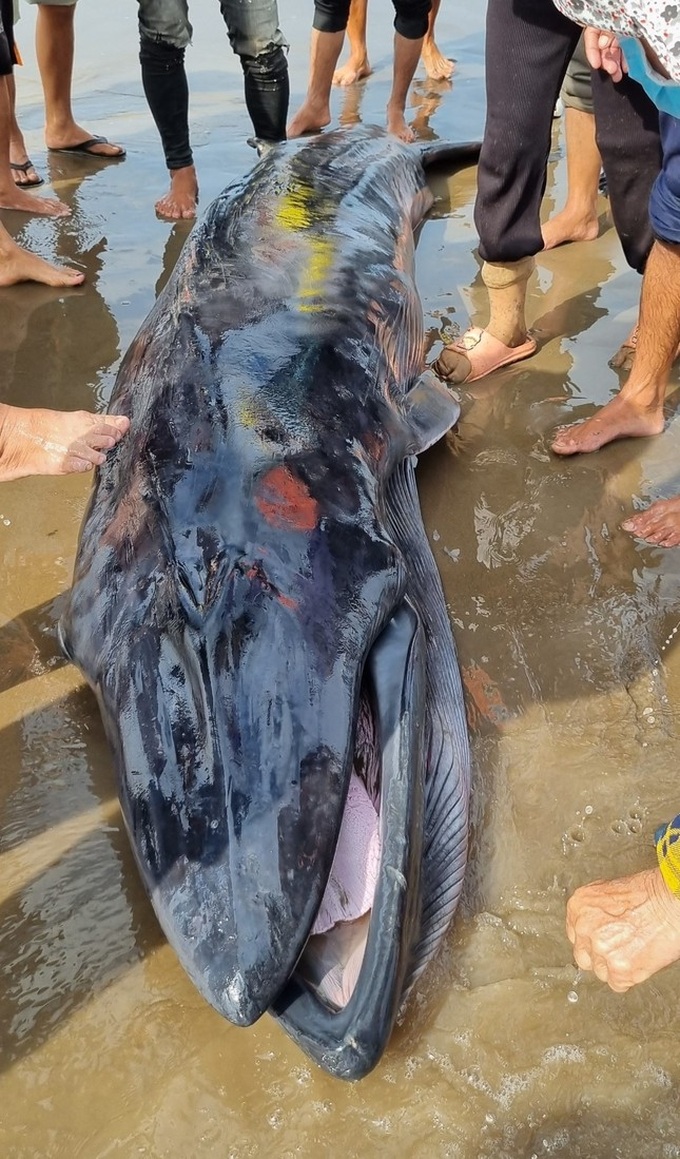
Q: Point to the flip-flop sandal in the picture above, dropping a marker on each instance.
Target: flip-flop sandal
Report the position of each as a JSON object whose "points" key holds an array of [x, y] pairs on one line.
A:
{"points": [[24, 168], [484, 353], [85, 149]]}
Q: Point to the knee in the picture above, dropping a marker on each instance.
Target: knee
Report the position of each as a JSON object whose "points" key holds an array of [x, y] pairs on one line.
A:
{"points": [[330, 16], [166, 23], [268, 65], [411, 19], [158, 56]]}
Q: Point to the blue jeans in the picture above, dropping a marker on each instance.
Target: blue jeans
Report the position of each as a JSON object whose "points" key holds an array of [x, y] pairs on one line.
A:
{"points": [[664, 203], [254, 35]]}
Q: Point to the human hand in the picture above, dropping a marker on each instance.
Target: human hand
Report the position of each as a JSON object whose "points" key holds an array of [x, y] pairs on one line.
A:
{"points": [[603, 51], [624, 930]]}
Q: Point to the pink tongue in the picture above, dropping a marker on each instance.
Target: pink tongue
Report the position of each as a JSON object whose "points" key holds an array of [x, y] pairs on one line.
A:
{"points": [[354, 873]]}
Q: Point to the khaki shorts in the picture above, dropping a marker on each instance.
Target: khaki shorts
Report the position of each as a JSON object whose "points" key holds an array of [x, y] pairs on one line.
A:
{"points": [[577, 90]]}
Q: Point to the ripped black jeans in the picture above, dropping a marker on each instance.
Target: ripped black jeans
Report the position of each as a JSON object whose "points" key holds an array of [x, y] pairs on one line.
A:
{"points": [[255, 36]]}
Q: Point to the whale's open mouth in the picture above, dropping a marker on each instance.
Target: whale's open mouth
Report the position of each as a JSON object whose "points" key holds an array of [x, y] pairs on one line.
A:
{"points": [[345, 993]]}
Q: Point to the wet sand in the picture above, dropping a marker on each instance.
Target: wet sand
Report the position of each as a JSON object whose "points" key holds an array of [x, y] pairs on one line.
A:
{"points": [[565, 631]]}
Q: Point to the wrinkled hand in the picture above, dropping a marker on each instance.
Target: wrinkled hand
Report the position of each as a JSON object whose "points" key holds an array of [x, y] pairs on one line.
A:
{"points": [[625, 930], [603, 51]]}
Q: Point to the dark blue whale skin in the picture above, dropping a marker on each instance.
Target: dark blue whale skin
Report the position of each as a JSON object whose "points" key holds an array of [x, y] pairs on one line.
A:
{"points": [[252, 557]]}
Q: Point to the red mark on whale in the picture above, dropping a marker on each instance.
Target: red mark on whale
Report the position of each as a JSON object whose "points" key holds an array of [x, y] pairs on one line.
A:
{"points": [[285, 501]]}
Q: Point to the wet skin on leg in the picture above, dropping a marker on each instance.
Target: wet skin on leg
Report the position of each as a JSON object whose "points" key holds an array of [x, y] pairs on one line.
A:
{"points": [[578, 220], [315, 112], [406, 57], [637, 411], [437, 66], [357, 66]]}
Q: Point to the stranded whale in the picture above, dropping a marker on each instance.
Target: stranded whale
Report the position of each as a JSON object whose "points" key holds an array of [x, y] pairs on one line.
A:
{"points": [[257, 609]]}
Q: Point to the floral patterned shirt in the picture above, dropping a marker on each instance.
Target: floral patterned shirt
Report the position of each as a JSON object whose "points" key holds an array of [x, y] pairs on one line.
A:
{"points": [[658, 21]]}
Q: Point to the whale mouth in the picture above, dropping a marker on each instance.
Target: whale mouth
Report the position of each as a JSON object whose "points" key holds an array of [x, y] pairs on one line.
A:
{"points": [[342, 1001]]}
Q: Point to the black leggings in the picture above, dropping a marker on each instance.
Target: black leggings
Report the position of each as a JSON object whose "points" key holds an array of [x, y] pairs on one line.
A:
{"points": [[164, 80], [410, 20], [528, 47]]}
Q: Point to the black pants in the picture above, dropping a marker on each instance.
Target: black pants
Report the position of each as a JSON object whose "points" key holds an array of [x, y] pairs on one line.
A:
{"points": [[410, 20], [164, 79], [528, 46]]}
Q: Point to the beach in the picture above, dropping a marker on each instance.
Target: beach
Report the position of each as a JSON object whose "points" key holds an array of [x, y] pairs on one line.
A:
{"points": [[567, 632]]}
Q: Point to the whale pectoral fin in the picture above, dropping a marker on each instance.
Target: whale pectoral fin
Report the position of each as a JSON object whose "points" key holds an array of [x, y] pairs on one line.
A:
{"points": [[430, 410], [422, 204]]}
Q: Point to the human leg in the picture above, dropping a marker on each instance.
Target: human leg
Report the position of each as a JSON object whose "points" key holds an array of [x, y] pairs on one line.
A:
{"points": [[164, 32], [578, 221], [357, 66], [54, 43], [410, 28], [328, 34], [22, 167], [437, 66], [528, 47], [12, 197], [257, 40], [628, 139]]}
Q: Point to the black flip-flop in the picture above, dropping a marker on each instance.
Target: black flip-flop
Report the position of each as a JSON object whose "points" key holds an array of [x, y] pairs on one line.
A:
{"points": [[24, 168], [84, 149]]}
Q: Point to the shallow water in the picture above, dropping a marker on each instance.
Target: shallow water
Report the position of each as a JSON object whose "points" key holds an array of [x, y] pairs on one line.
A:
{"points": [[563, 625]]}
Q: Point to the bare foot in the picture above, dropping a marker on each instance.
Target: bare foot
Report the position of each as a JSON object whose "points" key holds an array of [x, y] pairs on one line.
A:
{"points": [[66, 136], [50, 442], [659, 524], [437, 66], [356, 68], [569, 226], [18, 265], [622, 418], [396, 124], [12, 197], [181, 200], [310, 118]]}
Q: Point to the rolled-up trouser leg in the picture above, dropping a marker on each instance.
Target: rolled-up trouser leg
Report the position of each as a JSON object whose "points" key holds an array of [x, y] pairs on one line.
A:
{"points": [[627, 132], [664, 203], [411, 18], [528, 47], [164, 80], [331, 15]]}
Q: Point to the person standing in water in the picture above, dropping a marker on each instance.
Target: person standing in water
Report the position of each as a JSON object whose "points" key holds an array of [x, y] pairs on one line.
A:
{"points": [[255, 36]]}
